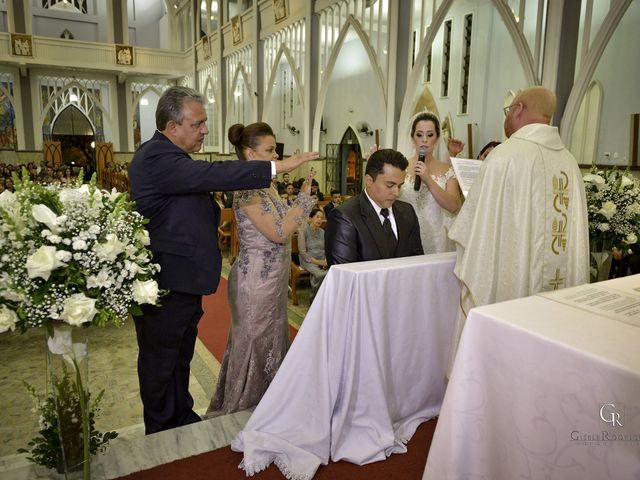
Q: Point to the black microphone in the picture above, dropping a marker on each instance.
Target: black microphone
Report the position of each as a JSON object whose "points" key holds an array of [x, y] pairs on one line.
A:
{"points": [[416, 185]]}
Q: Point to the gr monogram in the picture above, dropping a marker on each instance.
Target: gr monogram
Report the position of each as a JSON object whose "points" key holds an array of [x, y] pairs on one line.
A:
{"points": [[609, 414]]}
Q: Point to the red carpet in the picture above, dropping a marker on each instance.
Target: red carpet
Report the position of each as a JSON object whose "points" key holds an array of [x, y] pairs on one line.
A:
{"points": [[214, 324], [223, 464]]}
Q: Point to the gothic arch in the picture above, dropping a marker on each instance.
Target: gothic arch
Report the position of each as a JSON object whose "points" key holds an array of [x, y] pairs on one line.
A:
{"points": [[351, 22], [68, 106], [240, 70], [207, 84], [96, 104], [283, 51], [584, 140], [137, 96], [588, 66], [519, 41]]}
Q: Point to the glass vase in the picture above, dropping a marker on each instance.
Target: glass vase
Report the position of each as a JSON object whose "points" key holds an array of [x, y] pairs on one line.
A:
{"points": [[67, 380], [601, 250]]}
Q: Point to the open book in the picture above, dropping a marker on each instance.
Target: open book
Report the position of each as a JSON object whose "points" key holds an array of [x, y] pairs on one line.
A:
{"points": [[466, 170]]}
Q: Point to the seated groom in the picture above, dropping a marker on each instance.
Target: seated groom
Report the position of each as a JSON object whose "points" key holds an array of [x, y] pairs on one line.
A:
{"points": [[373, 225]]}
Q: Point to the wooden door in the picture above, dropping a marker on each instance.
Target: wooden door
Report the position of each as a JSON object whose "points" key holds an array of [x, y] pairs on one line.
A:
{"points": [[52, 153]]}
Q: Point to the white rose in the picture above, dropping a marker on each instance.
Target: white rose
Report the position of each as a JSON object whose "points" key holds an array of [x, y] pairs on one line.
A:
{"points": [[44, 214], [78, 309], [143, 237], [94, 229], [631, 239], [42, 262], [145, 292], [110, 249], [595, 179], [608, 210], [8, 319]]}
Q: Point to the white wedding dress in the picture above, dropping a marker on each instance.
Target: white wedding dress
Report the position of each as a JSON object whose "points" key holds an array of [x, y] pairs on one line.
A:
{"points": [[434, 220]]}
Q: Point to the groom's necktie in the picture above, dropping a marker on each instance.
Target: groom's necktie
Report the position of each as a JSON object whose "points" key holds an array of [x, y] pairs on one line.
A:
{"points": [[390, 237]]}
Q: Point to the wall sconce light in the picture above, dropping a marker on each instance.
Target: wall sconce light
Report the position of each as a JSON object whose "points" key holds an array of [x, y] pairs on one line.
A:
{"points": [[323, 128], [292, 130], [365, 129]]}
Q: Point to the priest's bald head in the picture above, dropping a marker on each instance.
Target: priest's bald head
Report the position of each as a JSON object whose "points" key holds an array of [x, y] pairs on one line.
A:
{"points": [[533, 105]]}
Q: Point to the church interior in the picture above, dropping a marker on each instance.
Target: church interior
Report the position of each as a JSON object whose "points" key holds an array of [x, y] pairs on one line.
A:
{"points": [[80, 81]]}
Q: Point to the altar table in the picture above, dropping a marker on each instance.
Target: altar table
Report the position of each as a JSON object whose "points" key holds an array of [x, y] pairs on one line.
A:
{"points": [[366, 368], [542, 390]]}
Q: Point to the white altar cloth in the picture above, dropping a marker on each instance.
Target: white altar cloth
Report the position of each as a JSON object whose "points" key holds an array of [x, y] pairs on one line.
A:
{"points": [[366, 368], [541, 390]]}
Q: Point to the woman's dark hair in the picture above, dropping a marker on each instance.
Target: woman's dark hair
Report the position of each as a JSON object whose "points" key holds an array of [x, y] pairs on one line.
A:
{"points": [[488, 145], [428, 117], [313, 212], [242, 136]]}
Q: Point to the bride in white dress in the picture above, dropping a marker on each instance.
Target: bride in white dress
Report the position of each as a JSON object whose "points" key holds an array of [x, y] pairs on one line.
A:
{"points": [[439, 198]]}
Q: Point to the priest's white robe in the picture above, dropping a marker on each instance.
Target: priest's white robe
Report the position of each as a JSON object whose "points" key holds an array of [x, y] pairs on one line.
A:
{"points": [[523, 227]]}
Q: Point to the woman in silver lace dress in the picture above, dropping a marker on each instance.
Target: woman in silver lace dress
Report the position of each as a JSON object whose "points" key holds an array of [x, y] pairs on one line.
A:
{"points": [[311, 250], [439, 198], [259, 335]]}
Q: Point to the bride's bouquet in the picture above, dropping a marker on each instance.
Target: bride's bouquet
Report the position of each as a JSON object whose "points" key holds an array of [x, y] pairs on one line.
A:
{"points": [[71, 254]]}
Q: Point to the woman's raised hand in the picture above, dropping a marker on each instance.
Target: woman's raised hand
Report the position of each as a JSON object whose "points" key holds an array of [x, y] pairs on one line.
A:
{"points": [[306, 186], [455, 146], [371, 151], [295, 160]]}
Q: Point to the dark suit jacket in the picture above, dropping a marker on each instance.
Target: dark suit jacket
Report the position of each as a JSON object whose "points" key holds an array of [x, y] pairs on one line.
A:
{"points": [[354, 232], [172, 191]]}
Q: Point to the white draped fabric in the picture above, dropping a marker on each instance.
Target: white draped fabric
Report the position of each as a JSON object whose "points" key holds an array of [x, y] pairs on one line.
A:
{"points": [[533, 393], [523, 227], [366, 368]]}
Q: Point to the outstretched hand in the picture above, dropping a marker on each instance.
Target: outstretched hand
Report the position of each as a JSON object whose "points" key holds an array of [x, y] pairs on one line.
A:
{"points": [[295, 160], [455, 146]]}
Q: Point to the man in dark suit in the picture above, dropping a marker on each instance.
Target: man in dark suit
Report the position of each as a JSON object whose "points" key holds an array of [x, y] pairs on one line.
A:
{"points": [[336, 201], [172, 191], [373, 225]]}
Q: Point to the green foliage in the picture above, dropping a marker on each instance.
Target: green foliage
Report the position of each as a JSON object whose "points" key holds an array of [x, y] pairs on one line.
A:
{"points": [[61, 417]]}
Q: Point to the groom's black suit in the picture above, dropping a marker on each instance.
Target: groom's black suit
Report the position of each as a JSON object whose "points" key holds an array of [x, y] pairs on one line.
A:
{"points": [[354, 232], [172, 191]]}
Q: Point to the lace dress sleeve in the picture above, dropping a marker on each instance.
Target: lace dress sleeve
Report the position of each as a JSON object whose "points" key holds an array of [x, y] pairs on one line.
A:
{"points": [[271, 217]]}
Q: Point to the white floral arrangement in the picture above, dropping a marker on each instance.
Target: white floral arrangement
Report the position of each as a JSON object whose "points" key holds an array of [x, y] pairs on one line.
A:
{"points": [[73, 254], [613, 204]]}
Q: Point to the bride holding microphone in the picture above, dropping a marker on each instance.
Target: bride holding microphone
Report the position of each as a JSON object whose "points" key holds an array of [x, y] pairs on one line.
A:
{"points": [[431, 186]]}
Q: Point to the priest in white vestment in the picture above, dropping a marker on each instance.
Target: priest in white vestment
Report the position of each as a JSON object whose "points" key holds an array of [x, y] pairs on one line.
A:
{"points": [[523, 227]]}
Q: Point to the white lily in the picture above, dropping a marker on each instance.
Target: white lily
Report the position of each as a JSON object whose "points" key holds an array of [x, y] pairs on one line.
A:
{"points": [[62, 344], [44, 214]]}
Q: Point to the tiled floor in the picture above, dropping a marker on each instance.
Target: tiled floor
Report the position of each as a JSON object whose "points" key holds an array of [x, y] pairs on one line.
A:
{"points": [[112, 364]]}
